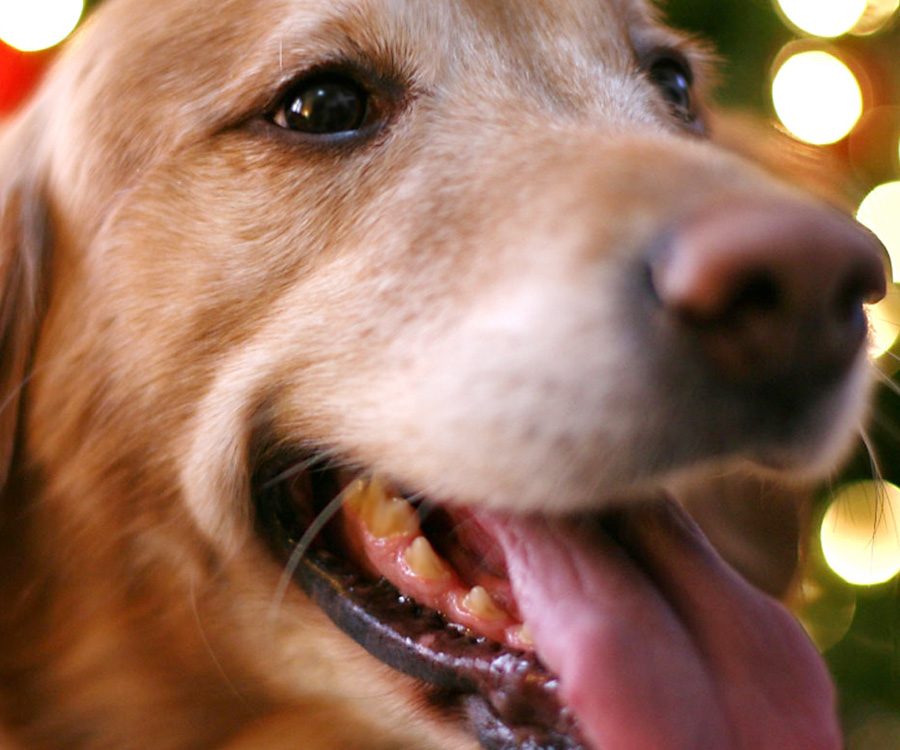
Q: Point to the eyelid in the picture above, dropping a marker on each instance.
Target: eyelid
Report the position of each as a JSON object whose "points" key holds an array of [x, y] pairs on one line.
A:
{"points": [[390, 91], [671, 55], [381, 83]]}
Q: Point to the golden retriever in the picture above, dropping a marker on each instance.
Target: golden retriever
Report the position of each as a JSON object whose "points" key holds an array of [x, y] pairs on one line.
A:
{"points": [[358, 360]]}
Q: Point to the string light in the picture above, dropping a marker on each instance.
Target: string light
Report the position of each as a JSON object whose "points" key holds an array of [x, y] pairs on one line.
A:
{"points": [[880, 212], [859, 533], [30, 25], [884, 323], [816, 97], [826, 18]]}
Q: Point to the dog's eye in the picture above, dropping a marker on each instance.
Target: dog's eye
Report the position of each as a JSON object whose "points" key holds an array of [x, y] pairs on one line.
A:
{"points": [[673, 78], [324, 105]]}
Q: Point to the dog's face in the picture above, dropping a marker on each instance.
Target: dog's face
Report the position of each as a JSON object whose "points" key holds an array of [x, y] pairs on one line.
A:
{"points": [[483, 252]]}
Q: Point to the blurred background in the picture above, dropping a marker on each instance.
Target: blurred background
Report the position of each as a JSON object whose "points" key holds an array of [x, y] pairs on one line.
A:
{"points": [[827, 74]]}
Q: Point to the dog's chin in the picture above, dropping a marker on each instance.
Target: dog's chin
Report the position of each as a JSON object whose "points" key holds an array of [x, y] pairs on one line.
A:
{"points": [[501, 617]]}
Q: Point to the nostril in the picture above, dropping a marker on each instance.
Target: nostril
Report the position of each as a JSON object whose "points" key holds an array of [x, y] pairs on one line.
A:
{"points": [[759, 293], [860, 287], [853, 294], [865, 283], [769, 290]]}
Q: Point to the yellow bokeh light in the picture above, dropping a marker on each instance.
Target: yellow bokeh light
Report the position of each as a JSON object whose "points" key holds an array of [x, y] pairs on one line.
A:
{"points": [[884, 322], [880, 212], [877, 15], [880, 731], [31, 25], [817, 97], [825, 611], [823, 17], [859, 533]]}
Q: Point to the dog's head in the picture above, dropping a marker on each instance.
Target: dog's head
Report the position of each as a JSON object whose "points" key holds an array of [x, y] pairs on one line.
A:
{"points": [[472, 270]]}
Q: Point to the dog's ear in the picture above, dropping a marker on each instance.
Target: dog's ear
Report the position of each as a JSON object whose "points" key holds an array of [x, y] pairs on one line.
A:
{"points": [[24, 252]]}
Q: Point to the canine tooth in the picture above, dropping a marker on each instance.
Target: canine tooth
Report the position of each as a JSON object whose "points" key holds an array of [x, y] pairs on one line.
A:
{"points": [[376, 493], [385, 515], [479, 603], [381, 513], [392, 517], [355, 495], [424, 562]]}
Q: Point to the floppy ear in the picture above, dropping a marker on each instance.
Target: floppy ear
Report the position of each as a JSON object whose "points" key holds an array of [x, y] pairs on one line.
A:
{"points": [[24, 252]]}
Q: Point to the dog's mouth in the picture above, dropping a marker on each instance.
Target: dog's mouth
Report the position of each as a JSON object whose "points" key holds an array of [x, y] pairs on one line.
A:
{"points": [[619, 628], [419, 588]]}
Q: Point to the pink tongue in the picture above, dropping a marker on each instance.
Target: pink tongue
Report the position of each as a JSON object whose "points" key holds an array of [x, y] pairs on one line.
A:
{"points": [[664, 647]]}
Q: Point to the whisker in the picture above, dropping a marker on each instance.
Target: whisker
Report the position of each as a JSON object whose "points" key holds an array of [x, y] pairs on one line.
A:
{"points": [[299, 468], [872, 454], [217, 662], [301, 548], [890, 354], [887, 381], [424, 505], [887, 427], [16, 391]]}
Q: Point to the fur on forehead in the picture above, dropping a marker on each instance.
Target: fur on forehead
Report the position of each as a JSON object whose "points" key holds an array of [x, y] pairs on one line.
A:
{"points": [[128, 66]]}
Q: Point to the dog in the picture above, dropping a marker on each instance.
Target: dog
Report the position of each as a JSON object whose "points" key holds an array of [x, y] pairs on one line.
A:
{"points": [[359, 361]]}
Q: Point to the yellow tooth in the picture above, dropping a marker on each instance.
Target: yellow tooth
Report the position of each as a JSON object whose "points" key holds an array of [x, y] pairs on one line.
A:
{"points": [[392, 517], [479, 603], [374, 496], [523, 635], [424, 562], [382, 514], [355, 495]]}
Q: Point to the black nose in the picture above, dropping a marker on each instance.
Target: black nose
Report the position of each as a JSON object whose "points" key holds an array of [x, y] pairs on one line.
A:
{"points": [[770, 290]]}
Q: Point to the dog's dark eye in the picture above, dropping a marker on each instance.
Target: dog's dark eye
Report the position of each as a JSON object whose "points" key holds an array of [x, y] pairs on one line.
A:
{"points": [[324, 105], [674, 79]]}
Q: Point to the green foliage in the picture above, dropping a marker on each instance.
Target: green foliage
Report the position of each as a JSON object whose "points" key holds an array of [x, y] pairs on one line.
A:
{"points": [[747, 35]]}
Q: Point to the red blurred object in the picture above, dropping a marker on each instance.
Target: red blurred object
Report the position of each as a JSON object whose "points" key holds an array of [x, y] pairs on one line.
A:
{"points": [[19, 74]]}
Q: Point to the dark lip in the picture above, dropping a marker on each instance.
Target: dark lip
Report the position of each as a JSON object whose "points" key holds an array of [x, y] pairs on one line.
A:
{"points": [[507, 698]]}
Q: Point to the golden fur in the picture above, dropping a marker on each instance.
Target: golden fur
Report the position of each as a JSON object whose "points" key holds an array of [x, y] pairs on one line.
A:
{"points": [[173, 274]]}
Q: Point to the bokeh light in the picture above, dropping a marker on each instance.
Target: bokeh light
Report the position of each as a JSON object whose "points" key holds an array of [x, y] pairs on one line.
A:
{"points": [[31, 25], [826, 18], [826, 611], [884, 322], [816, 97], [880, 212], [878, 732], [859, 533], [877, 15]]}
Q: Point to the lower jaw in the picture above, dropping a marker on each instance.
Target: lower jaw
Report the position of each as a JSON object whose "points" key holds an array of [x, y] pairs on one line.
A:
{"points": [[503, 693]]}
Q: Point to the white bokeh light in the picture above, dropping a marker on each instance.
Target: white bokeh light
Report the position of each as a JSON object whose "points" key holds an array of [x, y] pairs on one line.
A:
{"points": [[31, 25], [817, 97], [827, 18], [859, 533], [880, 212], [884, 322]]}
